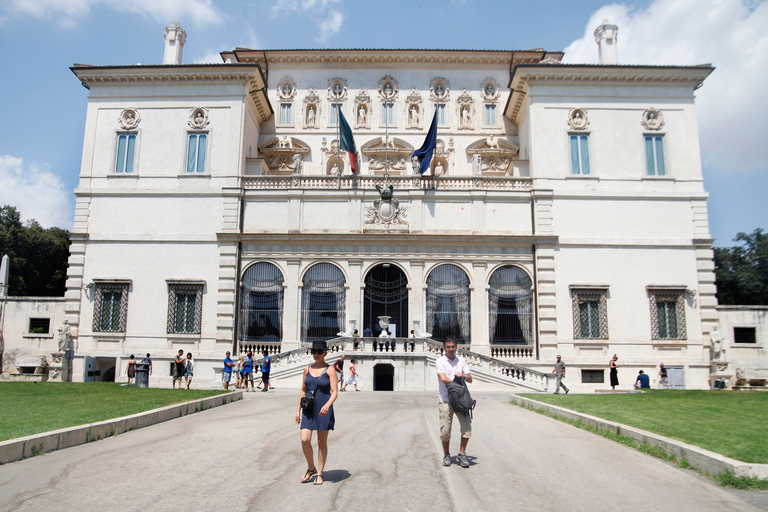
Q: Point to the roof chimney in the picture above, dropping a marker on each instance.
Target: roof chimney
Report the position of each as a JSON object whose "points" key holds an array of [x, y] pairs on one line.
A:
{"points": [[605, 35], [175, 37]]}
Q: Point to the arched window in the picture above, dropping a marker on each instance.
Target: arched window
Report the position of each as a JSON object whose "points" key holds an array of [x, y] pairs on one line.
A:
{"points": [[510, 307], [323, 303], [448, 311], [261, 304]]}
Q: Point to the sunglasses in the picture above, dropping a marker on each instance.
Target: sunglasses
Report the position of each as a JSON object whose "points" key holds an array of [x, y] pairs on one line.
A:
{"points": [[317, 351]]}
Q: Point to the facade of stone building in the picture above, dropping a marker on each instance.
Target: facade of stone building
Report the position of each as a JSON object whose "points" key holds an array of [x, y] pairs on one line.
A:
{"points": [[563, 212]]}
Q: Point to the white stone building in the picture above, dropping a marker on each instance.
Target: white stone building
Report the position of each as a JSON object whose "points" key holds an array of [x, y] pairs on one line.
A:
{"points": [[564, 211]]}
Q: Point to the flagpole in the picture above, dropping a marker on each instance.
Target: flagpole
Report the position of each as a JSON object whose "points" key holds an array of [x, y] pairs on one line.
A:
{"points": [[338, 139], [386, 145]]}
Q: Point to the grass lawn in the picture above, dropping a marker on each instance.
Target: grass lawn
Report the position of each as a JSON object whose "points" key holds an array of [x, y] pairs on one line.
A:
{"points": [[732, 423], [28, 408]]}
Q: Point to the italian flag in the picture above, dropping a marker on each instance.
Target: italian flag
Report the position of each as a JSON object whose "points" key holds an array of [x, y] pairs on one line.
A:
{"points": [[347, 142]]}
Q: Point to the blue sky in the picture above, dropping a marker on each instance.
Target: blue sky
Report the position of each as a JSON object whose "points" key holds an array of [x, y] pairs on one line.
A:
{"points": [[42, 111]]}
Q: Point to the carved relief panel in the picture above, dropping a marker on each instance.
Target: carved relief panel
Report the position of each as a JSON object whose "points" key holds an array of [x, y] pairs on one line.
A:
{"points": [[286, 89], [284, 154], [312, 109], [489, 90], [394, 157], [198, 118], [334, 161], [492, 156], [439, 91], [388, 89], [652, 119], [577, 119], [129, 119], [337, 90]]}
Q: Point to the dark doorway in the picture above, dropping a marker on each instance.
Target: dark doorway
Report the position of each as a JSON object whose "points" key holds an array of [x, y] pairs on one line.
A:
{"points": [[383, 377], [386, 294]]}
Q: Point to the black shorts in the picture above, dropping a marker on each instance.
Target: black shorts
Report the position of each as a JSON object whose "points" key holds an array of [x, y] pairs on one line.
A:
{"points": [[265, 377]]}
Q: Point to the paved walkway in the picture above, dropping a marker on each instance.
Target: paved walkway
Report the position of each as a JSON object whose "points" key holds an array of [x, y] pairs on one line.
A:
{"points": [[384, 455]]}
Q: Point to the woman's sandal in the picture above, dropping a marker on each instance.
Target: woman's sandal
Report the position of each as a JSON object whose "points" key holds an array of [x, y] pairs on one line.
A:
{"points": [[318, 480], [308, 475]]}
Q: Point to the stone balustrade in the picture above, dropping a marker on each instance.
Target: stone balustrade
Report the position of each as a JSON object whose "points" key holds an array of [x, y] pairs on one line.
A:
{"points": [[399, 182], [517, 352]]}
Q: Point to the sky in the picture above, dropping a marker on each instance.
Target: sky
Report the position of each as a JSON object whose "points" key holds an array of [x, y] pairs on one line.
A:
{"points": [[43, 105]]}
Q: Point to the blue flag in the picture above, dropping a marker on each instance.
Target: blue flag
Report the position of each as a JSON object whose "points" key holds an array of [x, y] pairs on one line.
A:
{"points": [[424, 153]]}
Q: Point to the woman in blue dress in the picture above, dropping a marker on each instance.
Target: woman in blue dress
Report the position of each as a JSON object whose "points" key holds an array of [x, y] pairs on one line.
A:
{"points": [[320, 380]]}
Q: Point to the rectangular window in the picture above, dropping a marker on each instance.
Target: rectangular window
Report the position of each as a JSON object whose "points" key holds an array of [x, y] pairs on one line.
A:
{"points": [[39, 325], [590, 318], [196, 152], [387, 114], [441, 115], [185, 308], [654, 155], [285, 113], [126, 147], [490, 115], [110, 307], [335, 113], [740, 335], [667, 314], [592, 376], [580, 155]]}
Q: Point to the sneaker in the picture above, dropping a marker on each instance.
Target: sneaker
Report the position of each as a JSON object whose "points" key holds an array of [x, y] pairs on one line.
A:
{"points": [[463, 460], [447, 459]]}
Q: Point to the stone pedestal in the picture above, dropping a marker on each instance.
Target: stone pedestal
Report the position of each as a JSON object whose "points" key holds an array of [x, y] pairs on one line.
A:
{"points": [[57, 369], [720, 372]]}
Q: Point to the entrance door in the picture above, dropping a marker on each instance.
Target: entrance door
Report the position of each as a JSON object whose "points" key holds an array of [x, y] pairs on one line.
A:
{"points": [[386, 294], [383, 377], [676, 377]]}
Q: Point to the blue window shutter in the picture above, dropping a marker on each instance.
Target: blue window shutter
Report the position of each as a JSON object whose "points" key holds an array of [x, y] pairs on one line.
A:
{"points": [[192, 152], [575, 155], [660, 168], [201, 150], [120, 162], [584, 154], [129, 153], [650, 160]]}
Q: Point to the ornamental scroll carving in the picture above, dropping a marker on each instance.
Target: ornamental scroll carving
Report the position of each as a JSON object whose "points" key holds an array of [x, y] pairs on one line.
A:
{"points": [[286, 89], [388, 88], [386, 213], [492, 156], [489, 90], [577, 119], [280, 154], [393, 156], [129, 119], [337, 90], [653, 119], [439, 90]]}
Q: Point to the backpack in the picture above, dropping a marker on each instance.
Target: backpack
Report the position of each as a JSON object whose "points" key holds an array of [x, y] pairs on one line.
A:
{"points": [[459, 398]]}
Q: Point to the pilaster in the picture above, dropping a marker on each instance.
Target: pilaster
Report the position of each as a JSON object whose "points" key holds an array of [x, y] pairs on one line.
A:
{"points": [[292, 306], [479, 326]]}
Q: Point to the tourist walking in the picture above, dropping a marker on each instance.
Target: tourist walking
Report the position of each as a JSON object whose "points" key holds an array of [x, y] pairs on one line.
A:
{"points": [[248, 371], [663, 381], [614, 372], [178, 369], [319, 390], [148, 361], [351, 378], [130, 369], [227, 375], [240, 368], [559, 372], [189, 369], [448, 367], [338, 365]]}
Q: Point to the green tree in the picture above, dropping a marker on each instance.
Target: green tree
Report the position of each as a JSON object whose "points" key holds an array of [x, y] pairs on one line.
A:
{"points": [[38, 256], [741, 272]]}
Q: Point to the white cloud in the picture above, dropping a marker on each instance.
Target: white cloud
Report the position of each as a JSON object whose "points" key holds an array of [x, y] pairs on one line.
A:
{"points": [[327, 14], [68, 12], [731, 35], [36, 192]]}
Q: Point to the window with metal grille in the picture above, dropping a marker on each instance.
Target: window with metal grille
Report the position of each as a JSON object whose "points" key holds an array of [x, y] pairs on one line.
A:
{"points": [[448, 303], [323, 303], [110, 307], [185, 308], [39, 325], [510, 306], [667, 314], [590, 316], [261, 304], [592, 376], [744, 335]]}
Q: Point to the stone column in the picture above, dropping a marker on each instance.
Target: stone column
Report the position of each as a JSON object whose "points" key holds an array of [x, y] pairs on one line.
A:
{"points": [[292, 306], [480, 343], [416, 296]]}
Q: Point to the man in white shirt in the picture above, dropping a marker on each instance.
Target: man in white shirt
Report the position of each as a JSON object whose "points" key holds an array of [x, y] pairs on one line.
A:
{"points": [[449, 366]]}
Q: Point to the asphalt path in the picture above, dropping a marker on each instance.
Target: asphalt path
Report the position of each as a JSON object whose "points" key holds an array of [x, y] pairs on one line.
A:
{"points": [[383, 455]]}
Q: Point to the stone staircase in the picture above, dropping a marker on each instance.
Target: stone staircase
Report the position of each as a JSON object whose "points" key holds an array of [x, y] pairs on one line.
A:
{"points": [[487, 372]]}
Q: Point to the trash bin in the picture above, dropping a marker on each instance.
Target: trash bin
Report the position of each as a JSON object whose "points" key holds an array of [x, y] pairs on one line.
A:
{"points": [[142, 375]]}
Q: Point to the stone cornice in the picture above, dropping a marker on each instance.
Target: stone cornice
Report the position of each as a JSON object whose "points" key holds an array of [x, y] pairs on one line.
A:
{"points": [[523, 75], [387, 57], [249, 74]]}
